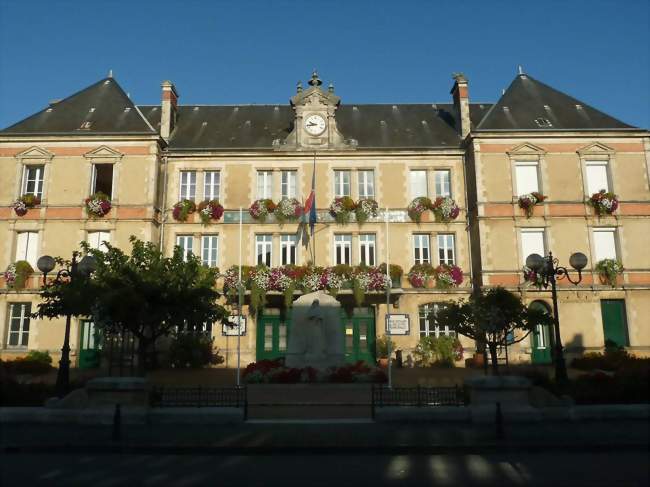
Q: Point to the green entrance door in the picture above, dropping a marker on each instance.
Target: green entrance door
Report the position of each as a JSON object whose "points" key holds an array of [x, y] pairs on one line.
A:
{"points": [[272, 336], [90, 348], [542, 338], [359, 332], [614, 321]]}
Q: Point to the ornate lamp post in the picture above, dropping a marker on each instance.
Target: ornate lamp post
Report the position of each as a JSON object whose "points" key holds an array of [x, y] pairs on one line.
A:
{"points": [[83, 268], [547, 268]]}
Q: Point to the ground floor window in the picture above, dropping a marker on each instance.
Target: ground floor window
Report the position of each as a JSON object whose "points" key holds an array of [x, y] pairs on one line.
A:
{"points": [[427, 326], [19, 324]]}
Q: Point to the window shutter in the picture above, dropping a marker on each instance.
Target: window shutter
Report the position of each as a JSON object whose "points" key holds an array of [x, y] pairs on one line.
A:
{"points": [[418, 182], [604, 244], [526, 175], [597, 178]]}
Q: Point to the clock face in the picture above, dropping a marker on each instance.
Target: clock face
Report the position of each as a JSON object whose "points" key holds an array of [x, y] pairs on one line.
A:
{"points": [[315, 124]]}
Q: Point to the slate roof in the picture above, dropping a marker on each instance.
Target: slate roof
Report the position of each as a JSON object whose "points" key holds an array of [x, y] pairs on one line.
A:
{"points": [[527, 99], [104, 104]]}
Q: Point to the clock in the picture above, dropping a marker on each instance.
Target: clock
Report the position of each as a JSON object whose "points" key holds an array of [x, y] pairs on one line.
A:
{"points": [[315, 125]]}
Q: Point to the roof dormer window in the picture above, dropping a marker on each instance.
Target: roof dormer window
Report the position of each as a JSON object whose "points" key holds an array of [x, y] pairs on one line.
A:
{"points": [[543, 122]]}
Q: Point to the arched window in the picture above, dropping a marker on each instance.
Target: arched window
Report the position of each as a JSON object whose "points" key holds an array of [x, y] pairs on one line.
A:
{"points": [[427, 327]]}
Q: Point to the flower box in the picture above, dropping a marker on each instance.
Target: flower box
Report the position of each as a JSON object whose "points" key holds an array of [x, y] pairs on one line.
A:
{"points": [[24, 203], [98, 205]]}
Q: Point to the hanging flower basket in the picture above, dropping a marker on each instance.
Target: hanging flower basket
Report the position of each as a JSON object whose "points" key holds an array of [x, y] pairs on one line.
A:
{"points": [[448, 276], [25, 202], [395, 271], [341, 209], [287, 209], [183, 209], [261, 209], [528, 201], [445, 209], [368, 279], [418, 206], [533, 278], [366, 208], [608, 271], [17, 274], [419, 274], [98, 204], [603, 202], [210, 210]]}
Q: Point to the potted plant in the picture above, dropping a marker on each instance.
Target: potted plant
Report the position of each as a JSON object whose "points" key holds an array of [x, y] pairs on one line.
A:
{"points": [[528, 201], [341, 209], [98, 204], [608, 271], [17, 274], [445, 209], [604, 202], [533, 278], [381, 346], [261, 209], [183, 209], [419, 274], [26, 201], [417, 207], [287, 209], [448, 276], [366, 208], [210, 210], [396, 272]]}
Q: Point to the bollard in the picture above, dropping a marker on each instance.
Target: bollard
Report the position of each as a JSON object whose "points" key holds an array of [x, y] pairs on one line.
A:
{"points": [[117, 423], [499, 422]]}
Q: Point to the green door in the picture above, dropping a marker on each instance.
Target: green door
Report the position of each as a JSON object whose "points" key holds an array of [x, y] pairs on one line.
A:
{"points": [[359, 330], [90, 348], [614, 321], [272, 336], [542, 339]]}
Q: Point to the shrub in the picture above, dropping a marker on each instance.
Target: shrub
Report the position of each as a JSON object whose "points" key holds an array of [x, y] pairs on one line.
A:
{"points": [[193, 350], [613, 359], [381, 345], [442, 351], [34, 363]]}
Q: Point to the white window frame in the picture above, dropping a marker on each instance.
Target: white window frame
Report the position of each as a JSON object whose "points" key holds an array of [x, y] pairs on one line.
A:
{"points": [[530, 231], [39, 180], [343, 248], [97, 238], [264, 248], [27, 247], [187, 185], [368, 241], [264, 184], [442, 179], [423, 312], [212, 185], [93, 179], [418, 248], [522, 170], [186, 243], [366, 183], [414, 191], [341, 183], [289, 183], [288, 244], [446, 248], [593, 187], [210, 252], [612, 251], [24, 321]]}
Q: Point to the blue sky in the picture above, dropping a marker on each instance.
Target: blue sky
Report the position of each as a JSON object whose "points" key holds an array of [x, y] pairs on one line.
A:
{"points": [[374, 51]]}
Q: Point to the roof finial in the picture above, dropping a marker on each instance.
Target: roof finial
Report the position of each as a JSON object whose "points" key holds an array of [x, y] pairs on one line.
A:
{"points": [[520, 69], [299, 87], [330, 88], [110, 73], [315, 80]]}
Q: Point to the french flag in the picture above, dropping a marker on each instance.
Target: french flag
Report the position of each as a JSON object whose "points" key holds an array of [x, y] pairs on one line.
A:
{"points": [[310, 204]]}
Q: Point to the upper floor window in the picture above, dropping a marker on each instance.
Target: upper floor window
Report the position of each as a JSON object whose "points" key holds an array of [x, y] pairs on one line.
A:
{"points": [[343, 249], [102, 179], [188, 185], [341, 183], [27, 247], [33, 177], [526, 175], [289, 179], [532, 242], [421, 248], [264, 249], [211, 185], [597, 177], [443, 182], [605, 243], [418, 183], [18, 335], [209, 250], [366, 183], [367, 248], [288, 249], [186, 243], [264, 185], [426, 313], [97, 240], [446, 251]]}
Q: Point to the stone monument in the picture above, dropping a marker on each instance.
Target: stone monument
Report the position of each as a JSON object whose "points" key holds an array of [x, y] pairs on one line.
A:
{"points": [[316, 338]]}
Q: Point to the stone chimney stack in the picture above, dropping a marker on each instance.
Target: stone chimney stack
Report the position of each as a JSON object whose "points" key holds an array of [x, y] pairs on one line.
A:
{"points": [[460, 94], [169, 109]]}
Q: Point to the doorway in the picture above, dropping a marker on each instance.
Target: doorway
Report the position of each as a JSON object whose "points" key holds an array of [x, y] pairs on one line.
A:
{"points": [[542, 338]]}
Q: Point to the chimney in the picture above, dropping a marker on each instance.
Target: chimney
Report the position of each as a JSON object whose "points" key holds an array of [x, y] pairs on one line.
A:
{"points": [[168, 110], [461, 102]]}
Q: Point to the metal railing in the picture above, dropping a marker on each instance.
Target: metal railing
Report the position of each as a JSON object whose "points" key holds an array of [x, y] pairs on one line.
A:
{"points": [[177, 397], [417, 396]]}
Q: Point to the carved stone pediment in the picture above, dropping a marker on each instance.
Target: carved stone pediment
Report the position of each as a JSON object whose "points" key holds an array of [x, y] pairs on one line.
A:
{"points": [[595, 148], [104, 152], [35, 153]]}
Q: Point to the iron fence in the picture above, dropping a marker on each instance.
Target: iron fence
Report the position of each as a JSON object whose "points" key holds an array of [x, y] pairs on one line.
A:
{"points": [[417, 396], [175, 397]]}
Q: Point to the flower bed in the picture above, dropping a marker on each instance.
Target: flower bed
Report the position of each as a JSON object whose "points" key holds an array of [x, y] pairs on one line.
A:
{"points": [[609, 270], [528, 201], [417, 207], [366, 208], [183, 209], [287, 209], [25, 202], [210, 210], [341, 209], [98, 204], [603, 202], [445, 209], [17, 274], [261, 209], [275, 372], [448, 276]]}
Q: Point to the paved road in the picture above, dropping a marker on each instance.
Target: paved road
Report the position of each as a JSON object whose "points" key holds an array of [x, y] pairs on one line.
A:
{"points": [[610, 469]]}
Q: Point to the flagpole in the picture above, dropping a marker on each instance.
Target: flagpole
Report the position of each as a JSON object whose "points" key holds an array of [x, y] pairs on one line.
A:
{"points": [[312, 228], [388, 287], [240, 295]]}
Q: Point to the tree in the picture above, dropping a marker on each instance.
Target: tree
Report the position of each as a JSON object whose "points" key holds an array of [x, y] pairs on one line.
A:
{"points": [[496, 317], [145, 293]]}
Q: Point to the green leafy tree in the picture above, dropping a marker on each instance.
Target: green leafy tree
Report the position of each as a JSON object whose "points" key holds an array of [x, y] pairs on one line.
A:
{"points": [[495, 317], [145, 293]]}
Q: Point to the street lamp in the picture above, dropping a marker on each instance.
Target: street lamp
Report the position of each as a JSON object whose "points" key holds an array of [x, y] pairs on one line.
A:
{"points": [[547, 269], [83, 268]]}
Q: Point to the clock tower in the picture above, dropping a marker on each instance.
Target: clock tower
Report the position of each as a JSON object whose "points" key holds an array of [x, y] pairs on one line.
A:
{"points": [[314, 125]]}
